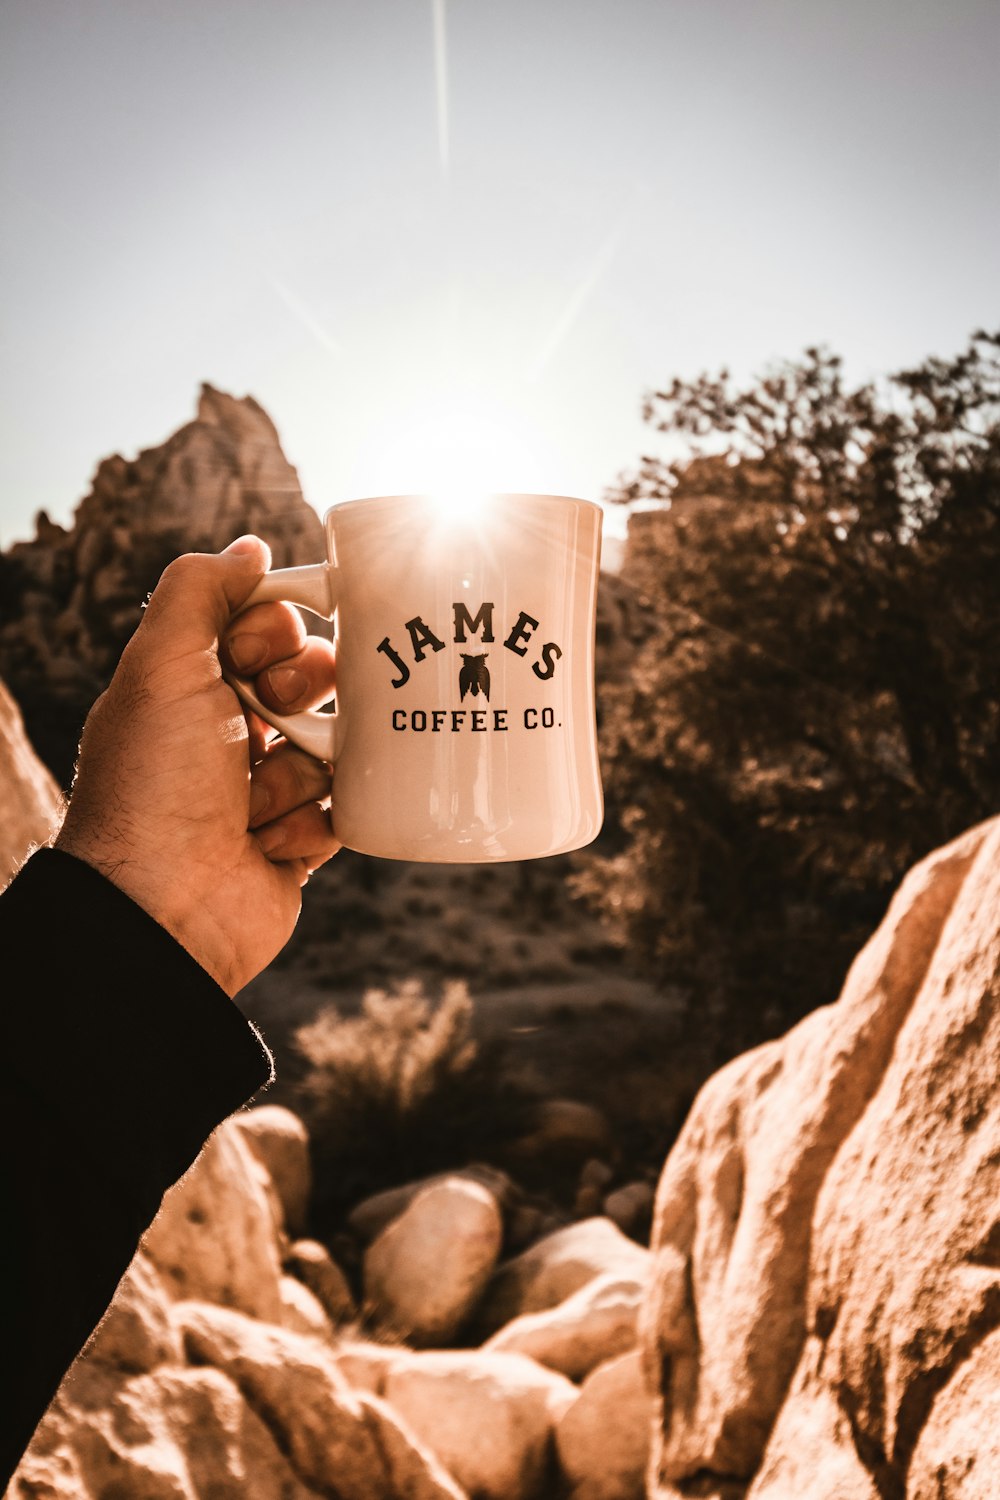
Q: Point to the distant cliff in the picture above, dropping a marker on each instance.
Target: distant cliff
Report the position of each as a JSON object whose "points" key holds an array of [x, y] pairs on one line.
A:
{"points": [[69, 599]]}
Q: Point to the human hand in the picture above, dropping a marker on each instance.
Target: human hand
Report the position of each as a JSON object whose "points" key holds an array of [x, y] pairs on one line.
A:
{"points": [[165, 803]]}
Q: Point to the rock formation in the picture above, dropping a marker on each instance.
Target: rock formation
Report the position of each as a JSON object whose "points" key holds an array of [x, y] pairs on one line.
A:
{"points": [[71, 598], [824, 1315], [218, 1372], [30, 805]]}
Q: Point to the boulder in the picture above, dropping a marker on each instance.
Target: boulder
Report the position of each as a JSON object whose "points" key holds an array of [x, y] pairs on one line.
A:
{"points": [[280, 1141], [488, 1417], [593, 1325], [301, 1311], [30, 804], [563, 1129], [369, 1217], [631, 1208], [364, 1364], [826, 1238], [136, 1334], [338, 1440], [425, 1271], [215, 1239], [165, 1436], [603, 1439], [312, 1263], [557, 1266]]}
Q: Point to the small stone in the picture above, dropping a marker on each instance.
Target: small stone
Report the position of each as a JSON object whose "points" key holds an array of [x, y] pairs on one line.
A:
{"points": [[631, 1208], [311, 1262]]}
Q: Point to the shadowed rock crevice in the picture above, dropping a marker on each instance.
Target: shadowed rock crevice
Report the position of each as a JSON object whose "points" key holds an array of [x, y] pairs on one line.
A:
{"points": [[923, 1390]]}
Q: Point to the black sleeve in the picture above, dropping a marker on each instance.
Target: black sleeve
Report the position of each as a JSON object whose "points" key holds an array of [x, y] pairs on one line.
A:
{"points": [[121, 1055]]}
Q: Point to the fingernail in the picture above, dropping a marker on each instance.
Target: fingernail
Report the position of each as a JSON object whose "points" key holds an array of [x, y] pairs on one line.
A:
{"points": [[286, 683], [242, 544], [259, 798], [246, 649], [271, 839]]}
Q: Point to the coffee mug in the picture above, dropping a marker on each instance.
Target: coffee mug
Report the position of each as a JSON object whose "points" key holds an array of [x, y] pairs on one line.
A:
{"points": [[464, 729]]}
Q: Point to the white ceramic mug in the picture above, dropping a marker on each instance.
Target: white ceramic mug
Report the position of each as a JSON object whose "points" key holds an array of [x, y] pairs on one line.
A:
{"points": [[464, 728]]}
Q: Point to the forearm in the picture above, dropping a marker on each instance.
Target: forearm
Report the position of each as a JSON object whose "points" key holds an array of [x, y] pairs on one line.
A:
{"points": [[122, 1057]]}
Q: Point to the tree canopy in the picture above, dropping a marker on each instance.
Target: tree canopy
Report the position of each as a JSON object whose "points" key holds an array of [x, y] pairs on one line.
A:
{"points": [[816, 703]]}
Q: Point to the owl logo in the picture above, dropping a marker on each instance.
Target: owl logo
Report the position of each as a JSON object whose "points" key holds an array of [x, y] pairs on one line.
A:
{"points": [[474, 677]]}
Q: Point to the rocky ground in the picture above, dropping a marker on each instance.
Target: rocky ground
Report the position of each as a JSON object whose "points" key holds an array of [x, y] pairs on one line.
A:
{"points": [[817, 1315], [238, 1359]]}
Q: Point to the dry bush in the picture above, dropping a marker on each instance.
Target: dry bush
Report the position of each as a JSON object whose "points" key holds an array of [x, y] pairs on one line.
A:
{"points": [[398, 1091]]}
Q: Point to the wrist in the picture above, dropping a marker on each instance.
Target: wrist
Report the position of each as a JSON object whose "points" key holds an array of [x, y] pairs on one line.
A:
{"points": [[171, 904]]}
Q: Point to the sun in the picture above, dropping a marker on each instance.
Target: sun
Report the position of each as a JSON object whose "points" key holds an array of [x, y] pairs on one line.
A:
{"points": [[457, 446]]}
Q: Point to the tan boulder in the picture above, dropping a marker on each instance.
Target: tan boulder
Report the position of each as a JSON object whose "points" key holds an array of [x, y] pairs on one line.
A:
{"points": [[313, 1265], [603, 1439], [364, 1364], [426, 1270], [301, 1311], [136, 1334], [280, 1141], [593, 1325], [369, 1217], [30, 803], [557, 1266], [172, 1435], [825, 1240], [338, 1440], [215, 1239], [489, 1418]]}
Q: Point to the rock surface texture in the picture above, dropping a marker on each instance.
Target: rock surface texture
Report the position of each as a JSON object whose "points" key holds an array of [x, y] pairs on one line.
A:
{"points": [[825, 1301]]}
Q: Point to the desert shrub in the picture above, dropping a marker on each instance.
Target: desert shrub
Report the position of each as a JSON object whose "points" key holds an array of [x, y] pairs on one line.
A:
{"points": [[398, 1091]]}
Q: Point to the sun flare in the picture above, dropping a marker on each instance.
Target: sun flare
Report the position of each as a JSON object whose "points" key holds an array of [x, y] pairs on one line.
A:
{"points": [[456, 447]]}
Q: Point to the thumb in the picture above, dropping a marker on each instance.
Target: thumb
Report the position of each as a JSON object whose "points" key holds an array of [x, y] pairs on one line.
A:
{"points": [[198, 594]]}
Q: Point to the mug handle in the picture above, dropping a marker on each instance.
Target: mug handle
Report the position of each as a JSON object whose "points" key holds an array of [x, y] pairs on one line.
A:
{"points": [[315, 588]]}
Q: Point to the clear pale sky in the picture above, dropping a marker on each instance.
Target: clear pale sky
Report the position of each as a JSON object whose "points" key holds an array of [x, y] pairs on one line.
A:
{"points": [[422, 229]]}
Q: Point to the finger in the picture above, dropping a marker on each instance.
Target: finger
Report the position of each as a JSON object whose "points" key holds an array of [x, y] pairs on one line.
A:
{"points": [[284, 779], [197, 594], [305, 833], [263, 635], [302, 681]]}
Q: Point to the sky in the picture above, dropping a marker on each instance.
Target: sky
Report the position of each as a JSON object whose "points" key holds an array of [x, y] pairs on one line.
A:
{"points": [[450, 240]]}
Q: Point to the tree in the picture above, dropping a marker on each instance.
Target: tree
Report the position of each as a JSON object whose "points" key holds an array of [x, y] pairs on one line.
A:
{"points": [[817, 702]]}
